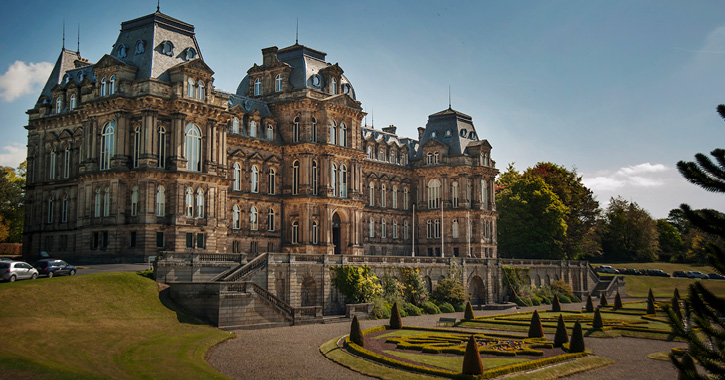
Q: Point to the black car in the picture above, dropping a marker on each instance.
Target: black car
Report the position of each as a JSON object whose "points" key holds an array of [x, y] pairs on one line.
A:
{"points": [[715, 276], [54, 267], [679, 273], [657, 273]]}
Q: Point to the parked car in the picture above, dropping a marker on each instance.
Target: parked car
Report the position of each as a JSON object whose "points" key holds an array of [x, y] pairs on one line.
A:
{"points": [[6, 260], [679, 273], [54, 267], [715, 276], [696, 274], [657, 273], [17, 270], [629, 271], [607, 269]]}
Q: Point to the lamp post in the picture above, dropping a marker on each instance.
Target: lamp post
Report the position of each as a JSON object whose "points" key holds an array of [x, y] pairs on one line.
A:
{"points": [[413, 236]]}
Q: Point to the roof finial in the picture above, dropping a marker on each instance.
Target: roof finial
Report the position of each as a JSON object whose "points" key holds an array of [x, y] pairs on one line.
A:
{"points": [[297, 31], [158, 6], [372, 116], [64, 34], [449, 96], [79, 39]]}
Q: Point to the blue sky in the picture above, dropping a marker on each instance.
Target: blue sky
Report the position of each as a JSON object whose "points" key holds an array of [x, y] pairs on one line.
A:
{"points": [[619, 90]]}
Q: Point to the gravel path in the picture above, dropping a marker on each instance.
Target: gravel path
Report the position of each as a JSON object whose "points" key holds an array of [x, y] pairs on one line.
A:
{"points": [[293, 352]]}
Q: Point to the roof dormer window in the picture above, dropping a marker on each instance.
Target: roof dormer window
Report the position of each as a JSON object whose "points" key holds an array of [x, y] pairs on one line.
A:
{"points": [[464, 132], [333, 86], [121, 52], [190, 88], [448, 133], [278, 83], [472, 135], [346, 88], [167, 47], [104, 87], [140, 47], [72, 102], [200, 93], [433, 134], [190, 54], [112, 86], [257, 87], [59, 104]]}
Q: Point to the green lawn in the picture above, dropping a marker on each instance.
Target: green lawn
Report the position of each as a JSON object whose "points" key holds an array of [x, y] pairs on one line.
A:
{"points": [[638, 286], [453, 363], [667, 267], [112, 325]]}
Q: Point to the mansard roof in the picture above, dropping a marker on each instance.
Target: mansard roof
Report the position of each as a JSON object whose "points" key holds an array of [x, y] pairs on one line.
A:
{"points": [[66, 61], [452, 128]]}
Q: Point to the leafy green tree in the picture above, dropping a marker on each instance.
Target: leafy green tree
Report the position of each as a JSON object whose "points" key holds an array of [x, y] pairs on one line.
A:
{"points": [[450, 289], [508, 177], [630, 233], [701, 324], [531, 222], [670, 240], [414, 289], [357, 283], [12, 202]]}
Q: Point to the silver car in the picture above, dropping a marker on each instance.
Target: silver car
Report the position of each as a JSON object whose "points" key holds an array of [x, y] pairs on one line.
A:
{"points": [[17, 270]]}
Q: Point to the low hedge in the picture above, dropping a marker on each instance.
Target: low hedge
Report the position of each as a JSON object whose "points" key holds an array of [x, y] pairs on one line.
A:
{"points": [[410, 310], [445, 307], [430, 308]]}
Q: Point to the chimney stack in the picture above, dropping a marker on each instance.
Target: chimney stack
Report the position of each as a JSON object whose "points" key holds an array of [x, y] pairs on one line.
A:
{"points": [[421, 130], [390, 129], [269, 56]]}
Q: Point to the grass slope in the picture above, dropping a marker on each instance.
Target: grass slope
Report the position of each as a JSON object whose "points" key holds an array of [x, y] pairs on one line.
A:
{"points": [[111, 325], [638, 286]]}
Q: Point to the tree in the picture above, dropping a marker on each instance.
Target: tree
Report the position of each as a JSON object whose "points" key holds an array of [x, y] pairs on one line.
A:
{"points": [[536, 329], [12, 201], [531, 223], [577, 339], [670, 240], [700, 324], [357, 283], [561, 337], [413, 286], [508, 177], [356, 335], [472, 364], [629, 233], [395, 321], [450, 289], [468, 314]]}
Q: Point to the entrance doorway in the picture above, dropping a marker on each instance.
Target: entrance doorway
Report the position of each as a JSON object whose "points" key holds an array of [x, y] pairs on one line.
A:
{"points": [[336, 235]]}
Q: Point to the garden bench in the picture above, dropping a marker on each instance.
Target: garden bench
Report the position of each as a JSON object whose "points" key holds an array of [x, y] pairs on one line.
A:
{"points": [[445, 321]]}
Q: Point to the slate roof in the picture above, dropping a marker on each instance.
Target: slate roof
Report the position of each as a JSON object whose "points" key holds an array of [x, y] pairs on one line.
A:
{"points": [[452, 128], [248, 104], [66, 62]]}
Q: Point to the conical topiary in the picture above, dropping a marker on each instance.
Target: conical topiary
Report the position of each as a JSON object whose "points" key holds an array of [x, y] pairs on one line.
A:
{"points": [[577, 339], [603, 300], [472, 364], [556, 305], [650, 295], [651, 305], [590, 304], [618, 301], [677, 293], [356, 335], [561, 337], [688, 370], [395, 321], [676, 307], [598, 323], [536, 330], [468, 315]]}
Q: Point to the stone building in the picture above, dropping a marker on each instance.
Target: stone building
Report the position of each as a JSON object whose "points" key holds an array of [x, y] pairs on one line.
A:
{"points": [[139, 153]]}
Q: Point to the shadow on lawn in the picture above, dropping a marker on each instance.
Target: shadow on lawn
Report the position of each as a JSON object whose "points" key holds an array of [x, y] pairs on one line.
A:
{"points": [[182, 315]]}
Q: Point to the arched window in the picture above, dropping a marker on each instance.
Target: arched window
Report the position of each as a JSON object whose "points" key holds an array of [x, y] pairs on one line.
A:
{"points": [[393, 157], [436, 157], [314, 130], [429, 229], [395, 197], [201, 93], [254, 188], [236, 217], [253, 218], [371, 195], [104, 87], [253, 129], [59, 105], [193, 148], [454, 194], [97, 203], [484, 194], [257, 87], [383, 232], [455, 229], [199, 203], [162, 147], [295, 177], [395, 229], [333, 86], [370, 152], [333, 179], [271, 176], [403, 159], [371, 227], [469, 191], [383, 196], [112, 86], [190, 88], [437, 228], [434, 193], [295, 232], [235, 125], [134, 201], [107, 145], [107, 202], [314, 177], [333, 132], [405, 198], [160, 201], [136, 146], [50, 210], [314, 232], [343, 134], [278, 83], [343, 181], [189, 202], [52, 164], [429, 158], [405, 230], [296, 130], [270, 132], [72, 102], [270, 219], [237, 177], [64, 209], [381, 155]]}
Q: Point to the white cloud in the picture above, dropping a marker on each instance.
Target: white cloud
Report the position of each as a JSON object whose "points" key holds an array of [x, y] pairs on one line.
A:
{"points": [[12, 155], [642, 175], [642, 168], [23, 78]]}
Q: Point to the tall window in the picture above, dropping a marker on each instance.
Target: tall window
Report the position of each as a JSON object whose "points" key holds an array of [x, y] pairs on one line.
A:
{"points": [[429, 158], [162, 147], [434, 194], [72, 102], [254, 188], [59, 105], [271, 176], [437, 228], [52, 164], [454, 194], [189, 202], [66, 161], [314, 130], [136, 146], [405, 230], [107, 202], [253, 217], [107, 145], [270, 219], [455, 229], [235, 125], [395, 229], [469, 191], [134, 201], [112, 86], [278, 83], [236, 217], [314, 177], [295, 232], [343, 134], [160, 201], [104, 87], [383, 196], [395, 197], [193, 148], [253, 128], [200, 94], [370, 152], [190, 88], [296, 130], [257, 87], [270, 132], [333, 179], [314, 232], [343, 181], [436, 157], [199, 203], [50, 210], [97, 204], [64, 209], [405, 198], [333, 132], [371, 227], [393, 157], [296, 177], [237, 177], [429, 229], [333, 86], [484, 194], [371, 195]]}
